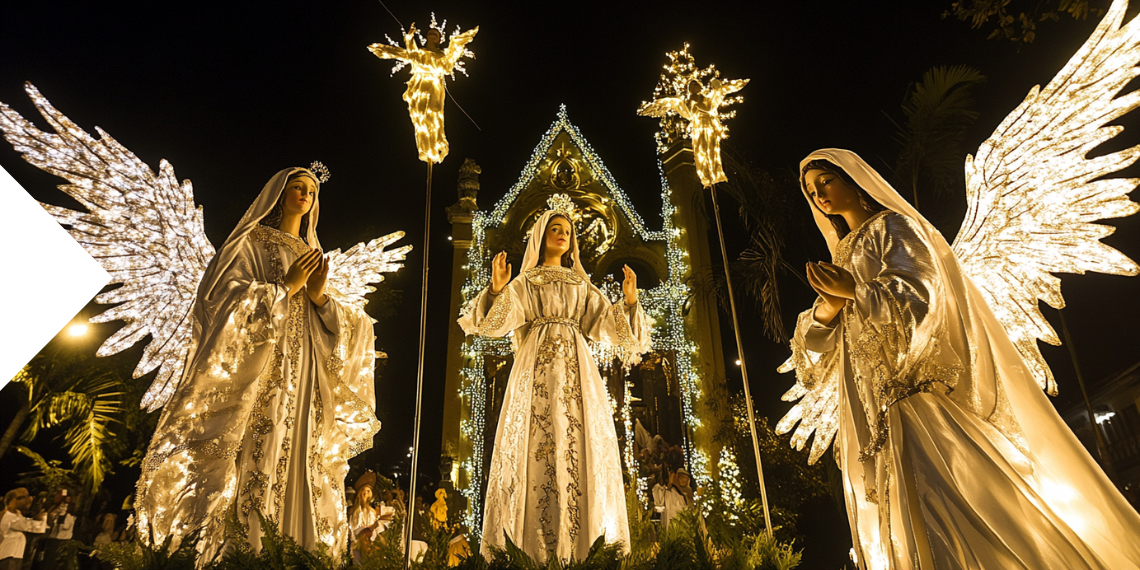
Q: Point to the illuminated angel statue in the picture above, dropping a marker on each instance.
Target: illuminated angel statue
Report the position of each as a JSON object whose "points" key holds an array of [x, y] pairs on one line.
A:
{"points": [[264, 351], [426, 90], [555, 481], [701, 107], [922, 356]]}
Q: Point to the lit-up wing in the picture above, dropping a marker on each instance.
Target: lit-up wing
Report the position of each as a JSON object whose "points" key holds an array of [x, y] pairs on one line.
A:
{"points": [[664, 106], [817, 388], [817, 410], [1033, 194], [142, 227], [351, 272]]}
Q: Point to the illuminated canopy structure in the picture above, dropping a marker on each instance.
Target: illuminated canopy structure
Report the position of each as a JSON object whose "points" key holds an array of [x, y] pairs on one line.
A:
{"points": [[668, 390]]}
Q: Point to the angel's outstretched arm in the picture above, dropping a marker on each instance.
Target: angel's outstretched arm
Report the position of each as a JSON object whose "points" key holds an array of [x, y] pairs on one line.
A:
{"points": [[733, 85], [457, 46], [387, 51], [661, 107]]}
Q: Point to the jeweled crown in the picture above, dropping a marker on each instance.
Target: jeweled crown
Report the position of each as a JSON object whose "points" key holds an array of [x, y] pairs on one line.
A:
{"points": [[320, 171], [562, 204]]}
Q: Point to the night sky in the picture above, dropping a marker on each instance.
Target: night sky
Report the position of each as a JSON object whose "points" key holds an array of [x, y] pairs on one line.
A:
{"points": [[231, 92]]}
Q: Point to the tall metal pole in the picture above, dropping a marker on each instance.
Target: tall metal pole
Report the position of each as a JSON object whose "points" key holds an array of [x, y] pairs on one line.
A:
{"points": [[1101, 446], [743, 366], [411, 510]]}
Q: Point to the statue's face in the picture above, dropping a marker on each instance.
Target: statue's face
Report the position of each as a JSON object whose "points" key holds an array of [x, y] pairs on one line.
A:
{"points": [[830, 193], [694, 87], [558, 236], [299, 194], [432, 37], [366, 494]]}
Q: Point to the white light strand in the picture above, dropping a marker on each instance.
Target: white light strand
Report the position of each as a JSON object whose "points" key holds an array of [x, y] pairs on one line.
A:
{"points": [[663, 302]]}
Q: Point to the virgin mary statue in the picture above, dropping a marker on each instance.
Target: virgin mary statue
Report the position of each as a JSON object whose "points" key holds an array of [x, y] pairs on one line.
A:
{"points": [[952, 456], [555, 481], [277, 394]]}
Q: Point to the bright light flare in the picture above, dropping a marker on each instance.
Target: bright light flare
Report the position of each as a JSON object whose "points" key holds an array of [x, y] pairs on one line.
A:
{"points": [[77, 329]]}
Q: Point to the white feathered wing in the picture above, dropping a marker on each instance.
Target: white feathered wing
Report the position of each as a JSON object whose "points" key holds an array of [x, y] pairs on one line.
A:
{"points": [[145, 230], [1033, 193]]}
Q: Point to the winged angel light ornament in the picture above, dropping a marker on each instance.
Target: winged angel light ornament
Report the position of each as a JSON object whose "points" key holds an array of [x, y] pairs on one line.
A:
{"points": [[920, 359], [426, 88], [263, 349], [681, 92]]}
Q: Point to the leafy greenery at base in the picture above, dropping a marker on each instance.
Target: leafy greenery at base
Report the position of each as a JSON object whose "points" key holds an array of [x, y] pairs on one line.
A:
{"points": [[723, 540]]}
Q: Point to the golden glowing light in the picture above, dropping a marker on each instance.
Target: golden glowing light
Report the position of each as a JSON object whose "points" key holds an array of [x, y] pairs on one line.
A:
{"points": [[426, 86], [78, 329], [682, 93], [1033, 193], [1032, 197]]}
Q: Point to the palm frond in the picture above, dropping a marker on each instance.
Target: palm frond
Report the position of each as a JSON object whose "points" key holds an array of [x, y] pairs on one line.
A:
{"points": [[48, 475], [90, 439], [937, 113], [55, 409], [763, 206]]}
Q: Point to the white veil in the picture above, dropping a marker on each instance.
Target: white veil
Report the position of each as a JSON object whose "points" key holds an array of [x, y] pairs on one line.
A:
{"points": [[533, 257], [998, 386], [537, 238], [204, 307]]}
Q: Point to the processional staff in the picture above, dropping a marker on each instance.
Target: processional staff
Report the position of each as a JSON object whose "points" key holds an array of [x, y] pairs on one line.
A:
{"points": [[682, 93], [430, 63]]}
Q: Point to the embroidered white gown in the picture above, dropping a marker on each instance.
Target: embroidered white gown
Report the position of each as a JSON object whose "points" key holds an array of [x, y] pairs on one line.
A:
{"points": [[952, 457], [279, 395], [555, 481]]}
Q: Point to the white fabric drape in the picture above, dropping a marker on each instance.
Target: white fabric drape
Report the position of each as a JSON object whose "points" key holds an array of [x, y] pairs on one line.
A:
{"points": [[555, 481], [951, 454], [277, 396]]}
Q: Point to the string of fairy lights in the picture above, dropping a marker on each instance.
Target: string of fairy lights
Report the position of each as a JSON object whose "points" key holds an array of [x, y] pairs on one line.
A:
{"points": [[663, 303]]}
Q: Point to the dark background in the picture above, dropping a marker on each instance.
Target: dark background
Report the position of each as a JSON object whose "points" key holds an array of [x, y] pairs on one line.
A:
{"points": [[231, 92]]}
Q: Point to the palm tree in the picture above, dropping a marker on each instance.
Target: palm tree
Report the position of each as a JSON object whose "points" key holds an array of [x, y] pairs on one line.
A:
{"points": [[61, 390], [938, 111], [763, 209]]}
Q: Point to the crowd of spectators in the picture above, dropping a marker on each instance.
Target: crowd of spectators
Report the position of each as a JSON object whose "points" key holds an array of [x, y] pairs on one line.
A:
{"points": [[34, 529]]}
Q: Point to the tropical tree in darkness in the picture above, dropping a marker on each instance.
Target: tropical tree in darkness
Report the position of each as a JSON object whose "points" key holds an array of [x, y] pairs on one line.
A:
{"points": [[764, 210], [81, 396], [937, 113], [1016, 20]]}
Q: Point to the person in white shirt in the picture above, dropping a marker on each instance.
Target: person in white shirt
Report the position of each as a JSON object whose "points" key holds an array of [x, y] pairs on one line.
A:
{"points": [[13, 525], [674, 498]]}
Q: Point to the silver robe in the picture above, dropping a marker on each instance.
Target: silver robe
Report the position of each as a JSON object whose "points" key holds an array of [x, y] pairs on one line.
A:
{"points": [[555, 481], [934, 477]]}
